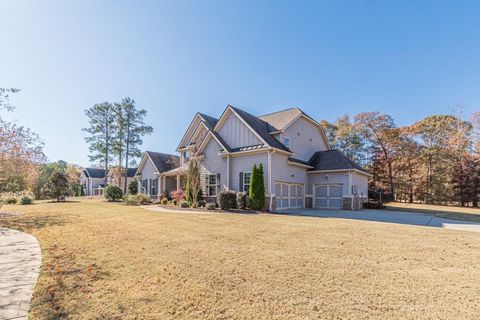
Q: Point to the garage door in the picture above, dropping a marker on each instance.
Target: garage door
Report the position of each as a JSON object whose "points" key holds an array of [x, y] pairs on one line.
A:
{"points": [[328, 196], [289, 195]]}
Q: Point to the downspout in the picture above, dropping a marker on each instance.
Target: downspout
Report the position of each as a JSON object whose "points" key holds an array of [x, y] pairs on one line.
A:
{"points": [[228, 172]]}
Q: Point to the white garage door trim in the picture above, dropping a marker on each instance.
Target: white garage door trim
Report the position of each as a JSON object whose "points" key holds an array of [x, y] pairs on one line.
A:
{"points": [[331, 198], [289, 195]]}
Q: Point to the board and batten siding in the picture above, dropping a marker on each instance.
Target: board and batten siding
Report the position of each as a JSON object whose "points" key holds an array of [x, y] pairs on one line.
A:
{"points": [[305, 139], [236, 134], [245, 164], [283, 172], [213, 164]]}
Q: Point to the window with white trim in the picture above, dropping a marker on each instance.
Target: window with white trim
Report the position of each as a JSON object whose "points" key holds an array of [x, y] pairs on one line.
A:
{"points": [[286, 141], [212, 185], [246, 181]]}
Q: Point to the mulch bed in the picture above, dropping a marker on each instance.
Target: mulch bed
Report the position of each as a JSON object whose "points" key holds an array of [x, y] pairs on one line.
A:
{"points": [[176, 208]]}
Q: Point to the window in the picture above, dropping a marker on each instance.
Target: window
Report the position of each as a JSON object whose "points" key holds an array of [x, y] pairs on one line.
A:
{"points": [[212, 185], [246, 181], [286, 140], [153, 187], [186, 155], [144, 185]]}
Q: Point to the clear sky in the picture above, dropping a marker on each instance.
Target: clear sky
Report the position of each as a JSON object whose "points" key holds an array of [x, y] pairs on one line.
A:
{"points": [[406, 58]]}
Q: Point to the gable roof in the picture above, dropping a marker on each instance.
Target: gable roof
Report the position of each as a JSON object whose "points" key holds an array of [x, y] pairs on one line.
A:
{"points": [[211, 122], [332, 160], [282, 118], [163, 161], [94, 173], [131, 172], [262, 128]]}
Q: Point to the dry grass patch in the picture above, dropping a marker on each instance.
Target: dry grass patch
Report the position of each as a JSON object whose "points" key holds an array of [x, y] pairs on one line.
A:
{"points": [[109, 261]]}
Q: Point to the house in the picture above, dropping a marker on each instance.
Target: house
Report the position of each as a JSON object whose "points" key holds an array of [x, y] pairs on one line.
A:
{"points": [[93, 181], [116, 176], [153, 164], [301, 170]]}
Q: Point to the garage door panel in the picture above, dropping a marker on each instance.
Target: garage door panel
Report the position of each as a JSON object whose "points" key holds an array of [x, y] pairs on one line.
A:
{"points": [[328, 196], [321, 191], [335, 191], [289, 195]]}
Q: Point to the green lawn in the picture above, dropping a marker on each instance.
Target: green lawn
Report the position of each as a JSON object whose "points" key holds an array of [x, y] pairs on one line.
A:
{"points": [[110, 261]]}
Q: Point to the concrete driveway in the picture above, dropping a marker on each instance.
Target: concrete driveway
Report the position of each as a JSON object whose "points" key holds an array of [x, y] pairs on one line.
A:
{"points": [[409, 218], [20, 260]]}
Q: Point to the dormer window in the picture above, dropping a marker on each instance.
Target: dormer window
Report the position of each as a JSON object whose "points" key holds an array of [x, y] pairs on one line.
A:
{"points": [[286, 141]]}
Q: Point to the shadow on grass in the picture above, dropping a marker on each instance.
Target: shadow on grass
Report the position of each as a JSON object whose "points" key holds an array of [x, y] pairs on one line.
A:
{"points": [[28, 223], [445, 214]]}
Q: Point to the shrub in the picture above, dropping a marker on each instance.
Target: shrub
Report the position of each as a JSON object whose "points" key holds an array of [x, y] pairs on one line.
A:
{"points": [[113, 193], [9, 199], [26, 200], [164, 201], [226, 200], [201, 203], [174, 202], [373, 205], [241, 200], [133, 187], [178, 195], [257, 188], [185, 204], [130, 200], [211, 206], [142, 198]]}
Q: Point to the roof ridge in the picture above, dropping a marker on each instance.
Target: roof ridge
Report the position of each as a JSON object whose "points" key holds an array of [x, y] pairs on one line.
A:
{"points": [[283, 110], [166, 154]]}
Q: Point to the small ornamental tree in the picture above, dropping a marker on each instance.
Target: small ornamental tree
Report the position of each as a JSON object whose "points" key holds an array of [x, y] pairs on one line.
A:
{"points": [[193, 190], [257, 188], [133, 187], [58, 186], [113, 193]]}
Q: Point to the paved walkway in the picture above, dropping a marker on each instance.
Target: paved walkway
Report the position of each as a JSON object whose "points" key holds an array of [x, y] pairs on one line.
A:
{"points": [[20, 259], [410, 218]]}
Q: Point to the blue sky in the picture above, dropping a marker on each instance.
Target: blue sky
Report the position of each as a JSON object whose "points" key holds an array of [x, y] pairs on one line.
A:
{"points": [[406, 58]]}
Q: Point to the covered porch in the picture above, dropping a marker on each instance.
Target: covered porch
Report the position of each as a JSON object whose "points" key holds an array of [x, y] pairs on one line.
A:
{"points": [[172, 180]]}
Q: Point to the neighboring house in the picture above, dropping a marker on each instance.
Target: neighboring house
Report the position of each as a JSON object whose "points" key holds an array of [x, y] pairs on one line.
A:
{"points": [[93, 181], [151, 167], [116, 177], [300, 168]]}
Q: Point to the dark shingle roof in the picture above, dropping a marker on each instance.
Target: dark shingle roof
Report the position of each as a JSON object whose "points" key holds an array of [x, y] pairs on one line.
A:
{"points": [[131, 172], [332, 160], [292, 159], [164, 162], [211, 122], [262, 128], [94, 173]]}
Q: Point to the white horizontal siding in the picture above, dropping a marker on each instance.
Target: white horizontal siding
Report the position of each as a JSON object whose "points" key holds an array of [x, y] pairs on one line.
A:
{"points": [[333, 178], [213, 164], [236, 134], [361, 181], [245, 164], [282, 171], [305, 139], [148, 172]]}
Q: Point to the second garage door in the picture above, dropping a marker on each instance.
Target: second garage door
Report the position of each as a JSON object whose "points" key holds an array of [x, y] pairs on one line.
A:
{"points": [[329, 196], [289, 195]]}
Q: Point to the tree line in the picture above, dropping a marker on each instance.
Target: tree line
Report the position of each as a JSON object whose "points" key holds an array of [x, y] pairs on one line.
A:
{"points": [[435, 160], [115, 133]]}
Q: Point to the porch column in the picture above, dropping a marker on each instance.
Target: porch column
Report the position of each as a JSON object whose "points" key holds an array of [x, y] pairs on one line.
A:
{"points": [[178, 182], [159, 185], [164, 185]]}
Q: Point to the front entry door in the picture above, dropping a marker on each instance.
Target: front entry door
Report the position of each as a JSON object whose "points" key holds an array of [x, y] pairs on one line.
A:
{"points": [[329, 196]]}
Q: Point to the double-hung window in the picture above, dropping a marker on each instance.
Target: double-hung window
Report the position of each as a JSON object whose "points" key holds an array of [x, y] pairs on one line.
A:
{"points": [[286, 141], [144, 185], [153, 187], [246, 181], [212, 185]]}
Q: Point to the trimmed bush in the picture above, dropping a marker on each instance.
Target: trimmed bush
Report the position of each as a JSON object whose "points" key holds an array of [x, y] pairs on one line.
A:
{"points": [[9, 199], [211, 206], [164, 201], [227, 200], [142, 198], [26, 200], [133, 187], [373, 205], [174, 202], [201, 203], [185, 204], [113, 193], [241, 200], [130, 200]]}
